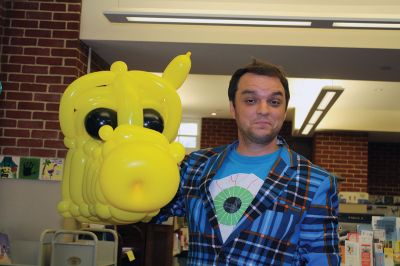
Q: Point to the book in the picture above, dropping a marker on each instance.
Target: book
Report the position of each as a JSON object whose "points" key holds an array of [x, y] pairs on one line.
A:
{"points": [[378, 254], [388, 254], [366, 248], [4, 250], [352, 253], [390, 224]]}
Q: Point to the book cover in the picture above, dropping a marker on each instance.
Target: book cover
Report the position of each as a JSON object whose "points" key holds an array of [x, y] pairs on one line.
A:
{"points": [[388, 253], [396, 252], [389, 223], [378, 254], [366, 251], [4, 250], [9, 166], [352, 253], [29, 168], [51, 168]]}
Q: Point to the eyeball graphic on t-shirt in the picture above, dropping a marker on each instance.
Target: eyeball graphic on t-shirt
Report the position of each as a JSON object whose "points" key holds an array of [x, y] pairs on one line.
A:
{"points": [[232, 195]]}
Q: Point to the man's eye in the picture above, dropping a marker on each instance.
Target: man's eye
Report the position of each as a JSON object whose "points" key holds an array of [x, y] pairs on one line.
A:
{"points": [[275, 102], [250, 101]]}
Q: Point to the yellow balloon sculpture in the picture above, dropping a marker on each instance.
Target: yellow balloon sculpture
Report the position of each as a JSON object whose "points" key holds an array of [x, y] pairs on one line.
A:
{"points": [[119, 127]]}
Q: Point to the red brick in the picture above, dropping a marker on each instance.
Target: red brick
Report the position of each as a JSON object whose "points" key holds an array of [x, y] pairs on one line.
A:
{"points": [[22, 59], [49, 61], [33, 87], [12, 50], [66, 16], [45, 116], [45, 134], [53, 7], [8, 86], [26, 23], [16, 14], [74, 8], [25, 5], [16, 151], [65, 34], [30, 106], [38, 33], [42, 153], [51, 43], [40, 15], [16, 132], [73, 26], [46, 97], [35, 69], [53, 25], [7, 142], [19, 96], [52, 125], [52, 106], [11, 68], [64, 52], [30, 142], [57, 88], [63, 71], [48, 79], [62, 153], [32, 124], [18, 114], [21, 78], [13, 32], [4, 122], [68, 80], [54, 144]]}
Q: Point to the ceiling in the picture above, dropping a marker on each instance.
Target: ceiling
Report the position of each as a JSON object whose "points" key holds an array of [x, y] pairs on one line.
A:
{"points": [[365, 62]]}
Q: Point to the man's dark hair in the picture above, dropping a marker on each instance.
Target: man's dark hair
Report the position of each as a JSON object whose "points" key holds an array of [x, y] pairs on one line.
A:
{"points": [[260, 68]]}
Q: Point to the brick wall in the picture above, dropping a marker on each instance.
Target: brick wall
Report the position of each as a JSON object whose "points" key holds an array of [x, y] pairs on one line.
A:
{"points": [[41, 56], [345, 154], [384, 168]]}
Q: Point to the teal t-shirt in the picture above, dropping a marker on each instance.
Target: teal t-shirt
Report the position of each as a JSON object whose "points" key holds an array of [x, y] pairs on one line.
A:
{"points": [[235, 185]]}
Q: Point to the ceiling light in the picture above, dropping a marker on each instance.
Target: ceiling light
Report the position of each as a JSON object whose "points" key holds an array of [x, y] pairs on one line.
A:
{"points": [[213, 114], [366, 25], [204, 19], [326, 98], [217, 21]]}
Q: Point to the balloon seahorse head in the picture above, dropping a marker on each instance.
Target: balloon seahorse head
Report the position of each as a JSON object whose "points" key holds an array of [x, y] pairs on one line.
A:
{"points": [[119, 127]]}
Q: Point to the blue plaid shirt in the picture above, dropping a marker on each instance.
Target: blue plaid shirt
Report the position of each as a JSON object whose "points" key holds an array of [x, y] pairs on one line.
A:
{"points": [[291, 221]]}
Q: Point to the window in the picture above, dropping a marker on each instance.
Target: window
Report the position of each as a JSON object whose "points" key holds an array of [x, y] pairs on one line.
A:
{"points": [[189, 134]]}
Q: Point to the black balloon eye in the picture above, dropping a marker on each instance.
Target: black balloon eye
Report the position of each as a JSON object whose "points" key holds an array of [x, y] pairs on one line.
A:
{"points": [[99, 117], [153, 120]]}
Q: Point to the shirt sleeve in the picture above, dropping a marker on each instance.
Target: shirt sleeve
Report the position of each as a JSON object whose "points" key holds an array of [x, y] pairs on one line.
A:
{"points": [[176, 207], [319, 240]]}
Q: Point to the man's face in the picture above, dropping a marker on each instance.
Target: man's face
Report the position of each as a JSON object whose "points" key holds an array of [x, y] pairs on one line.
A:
{"points": [[260, 108]]}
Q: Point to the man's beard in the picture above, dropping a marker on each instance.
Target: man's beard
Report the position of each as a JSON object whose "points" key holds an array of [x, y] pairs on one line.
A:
{"points": [[262, 140]]}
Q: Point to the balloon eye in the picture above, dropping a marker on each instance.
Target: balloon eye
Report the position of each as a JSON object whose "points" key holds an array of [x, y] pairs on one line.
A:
{"points": [[153, 120], [99, 117]]}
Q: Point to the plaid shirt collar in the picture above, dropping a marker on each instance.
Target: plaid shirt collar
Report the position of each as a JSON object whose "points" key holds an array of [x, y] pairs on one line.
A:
{"points": [[273, 185]]}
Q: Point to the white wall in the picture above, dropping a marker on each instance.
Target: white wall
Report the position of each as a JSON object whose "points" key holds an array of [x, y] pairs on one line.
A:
{"points": [[27, 207]]}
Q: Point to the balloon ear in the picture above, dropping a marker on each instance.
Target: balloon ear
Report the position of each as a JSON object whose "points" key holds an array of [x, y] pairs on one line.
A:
{"points": [[177, 70]]}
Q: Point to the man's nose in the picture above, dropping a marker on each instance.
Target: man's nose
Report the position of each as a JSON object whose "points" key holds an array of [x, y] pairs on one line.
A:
{"points": [[262, 107]]}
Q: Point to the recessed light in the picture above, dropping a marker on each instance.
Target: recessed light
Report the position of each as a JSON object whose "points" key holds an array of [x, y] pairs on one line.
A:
{"points": [[213, 114]]}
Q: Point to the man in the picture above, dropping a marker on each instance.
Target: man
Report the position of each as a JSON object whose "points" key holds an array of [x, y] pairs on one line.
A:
{"points": [[256, 202]]}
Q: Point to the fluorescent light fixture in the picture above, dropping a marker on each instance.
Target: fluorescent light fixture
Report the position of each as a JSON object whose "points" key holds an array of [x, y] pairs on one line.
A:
{"points": [[246, 20], [315, 116], [326, 98], [217, 21], [366, 25], [307, 129]]}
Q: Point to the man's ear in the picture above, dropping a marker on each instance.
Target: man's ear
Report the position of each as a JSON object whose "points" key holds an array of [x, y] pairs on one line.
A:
{"points": [[232, 109]]}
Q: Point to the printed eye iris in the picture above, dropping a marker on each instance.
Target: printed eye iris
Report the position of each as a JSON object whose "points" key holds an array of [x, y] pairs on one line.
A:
{"points": [[99, 117], [153, 120]]}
